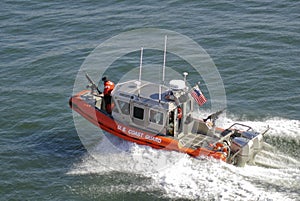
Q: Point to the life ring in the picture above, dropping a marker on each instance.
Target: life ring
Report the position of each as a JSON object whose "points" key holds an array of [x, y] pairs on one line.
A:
{"points": [[220, 147]]}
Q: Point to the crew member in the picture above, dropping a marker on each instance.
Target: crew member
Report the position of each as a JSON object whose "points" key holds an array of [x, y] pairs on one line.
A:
{"points": [[170, 128], [170, 96], [179, 116], [108, 87], [179, 112]]}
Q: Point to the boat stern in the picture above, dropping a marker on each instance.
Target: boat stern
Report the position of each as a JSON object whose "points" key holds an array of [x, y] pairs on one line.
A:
{"points": [[244, 145]]}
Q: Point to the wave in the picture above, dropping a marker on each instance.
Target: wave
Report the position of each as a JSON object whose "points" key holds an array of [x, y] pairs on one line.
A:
{"points": [[176, 175]]}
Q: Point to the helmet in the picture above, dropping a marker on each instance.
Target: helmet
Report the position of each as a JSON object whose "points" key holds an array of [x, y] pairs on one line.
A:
{"points": [[104, 78]]}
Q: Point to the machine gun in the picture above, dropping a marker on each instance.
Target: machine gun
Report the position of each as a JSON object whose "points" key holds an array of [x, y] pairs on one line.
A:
{"points": [[213, 117], [92, 84]]}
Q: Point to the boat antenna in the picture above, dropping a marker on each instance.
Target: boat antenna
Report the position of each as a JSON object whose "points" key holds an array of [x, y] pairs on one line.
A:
{"points": [[164, 64], [141, 63], [138, 83], [164, 68]]}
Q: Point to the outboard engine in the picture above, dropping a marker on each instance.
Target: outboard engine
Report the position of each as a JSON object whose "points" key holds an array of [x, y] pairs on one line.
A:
{"points": [[242, 150], [244, 144], [256, 138]]}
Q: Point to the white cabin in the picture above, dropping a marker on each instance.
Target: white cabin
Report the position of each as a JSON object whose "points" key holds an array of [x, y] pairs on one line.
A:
{"points": [[153, 107]]}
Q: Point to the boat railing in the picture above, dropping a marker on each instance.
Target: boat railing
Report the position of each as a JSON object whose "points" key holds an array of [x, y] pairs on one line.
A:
{"points": [[242, 125]]}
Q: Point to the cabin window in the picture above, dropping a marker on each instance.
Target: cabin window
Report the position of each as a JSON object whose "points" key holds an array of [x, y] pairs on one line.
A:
{"points": [[138, 112], [115, 109], [156, 117], [125, 107]]}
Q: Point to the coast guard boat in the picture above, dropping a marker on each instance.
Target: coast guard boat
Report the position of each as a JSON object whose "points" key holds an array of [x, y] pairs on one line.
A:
{"points": [[163, 116]]}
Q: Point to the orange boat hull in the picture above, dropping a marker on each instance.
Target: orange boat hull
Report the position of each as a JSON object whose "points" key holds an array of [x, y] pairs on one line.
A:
{"points": [[104, 121]]}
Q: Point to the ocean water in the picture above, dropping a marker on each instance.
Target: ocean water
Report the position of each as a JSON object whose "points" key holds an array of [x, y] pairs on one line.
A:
{"points": [[255, 46]]}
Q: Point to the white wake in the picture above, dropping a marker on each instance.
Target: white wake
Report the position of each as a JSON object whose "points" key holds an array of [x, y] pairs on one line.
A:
{"points": [[177, 175]]}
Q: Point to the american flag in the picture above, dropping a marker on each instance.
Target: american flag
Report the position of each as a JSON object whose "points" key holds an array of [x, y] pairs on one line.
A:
{"points": [[197, 95]]}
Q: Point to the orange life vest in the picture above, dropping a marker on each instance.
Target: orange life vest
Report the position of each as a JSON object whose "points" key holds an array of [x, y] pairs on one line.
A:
{"points": [[179, 113], [108, 87]]}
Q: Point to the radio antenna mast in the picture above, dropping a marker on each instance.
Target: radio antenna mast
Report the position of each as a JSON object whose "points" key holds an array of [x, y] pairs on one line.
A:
{"points": [[141, 63], [164, 68], [164, 64]]}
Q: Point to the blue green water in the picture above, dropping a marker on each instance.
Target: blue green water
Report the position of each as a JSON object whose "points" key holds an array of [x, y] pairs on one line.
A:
{"points": [[255, 46]]}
